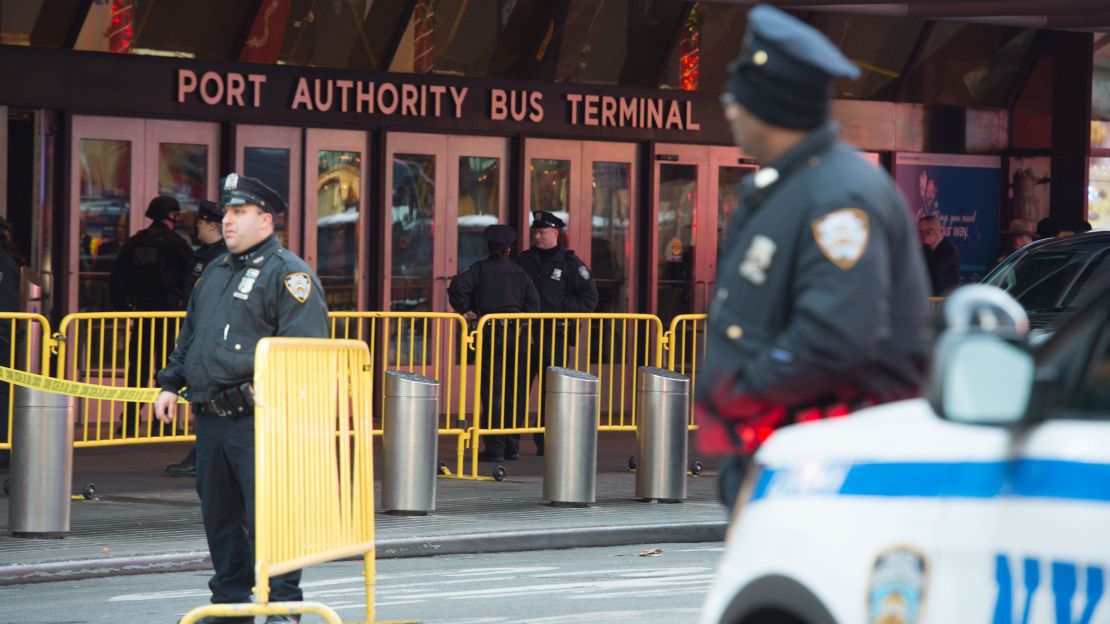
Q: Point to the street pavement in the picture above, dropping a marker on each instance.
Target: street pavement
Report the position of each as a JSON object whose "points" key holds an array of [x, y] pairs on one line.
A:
{"points": [[661, 583], [143, 521]]}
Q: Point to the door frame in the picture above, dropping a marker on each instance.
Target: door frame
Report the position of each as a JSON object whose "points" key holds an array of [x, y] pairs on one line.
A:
{"points": [[702, 238], [315, 141], [279, 137]]}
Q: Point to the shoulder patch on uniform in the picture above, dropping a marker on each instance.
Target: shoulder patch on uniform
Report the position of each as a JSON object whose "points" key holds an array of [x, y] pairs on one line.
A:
{"points": [[583, 271], [299, 285], [842, 235]]}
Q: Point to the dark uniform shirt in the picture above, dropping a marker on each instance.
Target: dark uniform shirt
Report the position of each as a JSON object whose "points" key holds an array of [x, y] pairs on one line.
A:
{"points": [[821, 288], [491, 286], [203, 255], [944, 267], [149, 273], [562, 280], [267, 291]]}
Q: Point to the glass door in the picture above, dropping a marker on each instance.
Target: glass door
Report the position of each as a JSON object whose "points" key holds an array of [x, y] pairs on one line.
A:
{"points": [[683, 262], [415, 196], [478, 179], [611, 183], [728, 165], [272, 154], [182, 161], [334, 211], [553, 183]]}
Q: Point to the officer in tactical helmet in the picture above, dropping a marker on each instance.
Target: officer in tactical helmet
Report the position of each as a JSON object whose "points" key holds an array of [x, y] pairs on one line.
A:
{"points": [[149, 276]]}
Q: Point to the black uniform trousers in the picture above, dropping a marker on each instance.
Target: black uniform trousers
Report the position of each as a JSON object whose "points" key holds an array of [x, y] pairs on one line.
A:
{"points": [[225, 484], [544, 355], [502, 378], [6, 339]]}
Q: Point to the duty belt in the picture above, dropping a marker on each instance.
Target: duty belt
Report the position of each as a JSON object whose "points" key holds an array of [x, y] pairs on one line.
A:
{"points": [[234, 403]]}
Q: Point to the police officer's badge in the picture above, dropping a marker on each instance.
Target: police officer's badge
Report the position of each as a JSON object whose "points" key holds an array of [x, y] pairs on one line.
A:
{"points": [[842, 236], [299, 285], [246, 284], [758, 259], [557, 274], [584, 272]]}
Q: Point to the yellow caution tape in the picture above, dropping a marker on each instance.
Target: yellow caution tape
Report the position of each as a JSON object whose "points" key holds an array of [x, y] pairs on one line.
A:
{"points": [[79, 389]]}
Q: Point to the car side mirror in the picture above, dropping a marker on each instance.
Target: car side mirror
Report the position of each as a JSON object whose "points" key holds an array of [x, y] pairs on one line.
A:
{"points": [[981, 378]]}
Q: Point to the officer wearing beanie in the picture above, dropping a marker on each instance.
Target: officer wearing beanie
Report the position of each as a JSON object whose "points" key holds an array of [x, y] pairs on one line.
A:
{"points": [[564, 284], [210, 233], [821, 293], [491, 286], [149, 276], [257, 289]]}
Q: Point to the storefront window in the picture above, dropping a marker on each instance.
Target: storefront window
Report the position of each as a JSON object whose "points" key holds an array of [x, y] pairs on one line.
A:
{"points": [[1098, 193], [104, 222], [338, 190], [271, 166]]}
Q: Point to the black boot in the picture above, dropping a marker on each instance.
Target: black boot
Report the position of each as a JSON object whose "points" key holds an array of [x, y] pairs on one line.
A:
{"points": [[187, 467]]}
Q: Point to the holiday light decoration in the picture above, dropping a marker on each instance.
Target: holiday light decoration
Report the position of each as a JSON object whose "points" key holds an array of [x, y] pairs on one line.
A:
{"points": [[120, 31], [423, 40], [689, 47]]}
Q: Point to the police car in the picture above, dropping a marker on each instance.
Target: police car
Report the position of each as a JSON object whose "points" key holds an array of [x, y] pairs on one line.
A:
{"points": [[988, 502]]}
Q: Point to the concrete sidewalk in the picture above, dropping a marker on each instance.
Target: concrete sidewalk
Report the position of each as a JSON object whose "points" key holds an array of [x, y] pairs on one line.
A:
{"points": [[144, 521]]}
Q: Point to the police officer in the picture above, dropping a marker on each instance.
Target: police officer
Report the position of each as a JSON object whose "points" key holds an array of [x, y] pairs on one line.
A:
{"points": [[256, 290], [210, 233], [821, 292], [564, 284], [149, 276], [491, 286]]}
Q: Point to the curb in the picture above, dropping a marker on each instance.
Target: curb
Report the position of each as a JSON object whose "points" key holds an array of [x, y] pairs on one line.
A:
{"points": [[591, 537]]}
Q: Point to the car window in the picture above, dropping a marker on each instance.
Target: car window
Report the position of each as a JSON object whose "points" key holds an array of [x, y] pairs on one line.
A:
{"points": [[1092, 395], [1077, 358], [1040, 280], [1097, 272]]}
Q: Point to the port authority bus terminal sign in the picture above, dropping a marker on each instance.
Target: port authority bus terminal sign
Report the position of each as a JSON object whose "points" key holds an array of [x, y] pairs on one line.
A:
{"points": [[446, 102]]}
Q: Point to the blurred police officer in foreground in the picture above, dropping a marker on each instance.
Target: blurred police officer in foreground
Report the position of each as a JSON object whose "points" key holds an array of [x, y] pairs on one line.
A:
{"points": [[564, 284], [821, 291], [10, 259], [149, 276], [256, 290], [491, 286], [210, 233]]}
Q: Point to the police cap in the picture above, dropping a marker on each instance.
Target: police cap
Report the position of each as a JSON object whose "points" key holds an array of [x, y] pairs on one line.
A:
{"points": [[544, 219], [500, 234], [784, 70], [237, 190], [210, 211], [160, 207]]}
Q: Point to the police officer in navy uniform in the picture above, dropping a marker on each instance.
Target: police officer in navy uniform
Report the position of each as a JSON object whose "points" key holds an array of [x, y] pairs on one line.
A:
{"points": [[210, 233], [564, 284], [821, 294], [491, 286], [256, 290], [149, 276]]}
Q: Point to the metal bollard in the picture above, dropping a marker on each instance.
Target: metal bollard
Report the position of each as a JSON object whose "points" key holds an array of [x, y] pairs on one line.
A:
{"points": [[42, 463], [662, 412], [409, 444], [570, 457]]}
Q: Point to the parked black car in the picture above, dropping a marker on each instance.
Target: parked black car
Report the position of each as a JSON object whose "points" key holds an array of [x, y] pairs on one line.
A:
{"points": [[1048, 277]]}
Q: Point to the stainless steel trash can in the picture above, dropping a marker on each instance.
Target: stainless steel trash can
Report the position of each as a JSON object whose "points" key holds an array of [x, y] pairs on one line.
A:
{"points": [[42, 463], [662, 413], [570, 457], [409, 431]]}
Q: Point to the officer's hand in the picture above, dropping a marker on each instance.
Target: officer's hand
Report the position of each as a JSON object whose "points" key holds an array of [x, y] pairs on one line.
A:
{"points": [[470, 316], [165, 406]]}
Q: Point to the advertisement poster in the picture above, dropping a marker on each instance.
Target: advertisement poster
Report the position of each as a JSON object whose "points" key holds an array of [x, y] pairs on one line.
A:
{"points": [[1030, 187], [963, 192]]}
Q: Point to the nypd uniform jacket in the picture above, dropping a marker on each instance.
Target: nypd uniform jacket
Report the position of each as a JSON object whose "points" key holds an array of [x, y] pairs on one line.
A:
{"points": [[151, 269], [203, 255], [492, 286], [562, 280], [239, 300], [821, 290]]}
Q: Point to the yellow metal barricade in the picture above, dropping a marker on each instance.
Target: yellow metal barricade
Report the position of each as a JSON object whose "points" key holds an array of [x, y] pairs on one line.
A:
{"points": [[686, 341], [514, 349], [25, 344], [432, 344], [314, 467], [120, 349]]}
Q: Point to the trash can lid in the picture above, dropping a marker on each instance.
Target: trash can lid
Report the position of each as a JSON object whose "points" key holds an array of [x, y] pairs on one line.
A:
{"points": [[654, 379], [32, 397], [569, 381], [405, 384]]}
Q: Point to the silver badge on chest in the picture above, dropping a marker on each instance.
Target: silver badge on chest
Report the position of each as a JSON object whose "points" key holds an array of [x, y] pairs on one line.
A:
{"points": [[557, 274], [758, 259], [246, 284]]}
